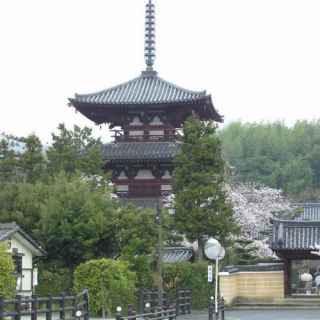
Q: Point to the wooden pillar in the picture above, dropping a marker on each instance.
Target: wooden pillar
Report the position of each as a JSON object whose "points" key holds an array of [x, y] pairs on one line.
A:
{"points": [[287, 277]]}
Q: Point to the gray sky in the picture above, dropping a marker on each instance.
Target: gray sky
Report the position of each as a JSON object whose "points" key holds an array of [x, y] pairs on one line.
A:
{"points": [[260, 59]]}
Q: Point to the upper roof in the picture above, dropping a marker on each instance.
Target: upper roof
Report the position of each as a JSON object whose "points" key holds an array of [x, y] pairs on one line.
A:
{"points": [[7, 230], [177, 254], [141, 150], [146, 89]]}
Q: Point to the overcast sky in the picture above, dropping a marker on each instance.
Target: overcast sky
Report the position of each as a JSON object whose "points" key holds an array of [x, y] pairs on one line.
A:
{"points": [[260, 59]]}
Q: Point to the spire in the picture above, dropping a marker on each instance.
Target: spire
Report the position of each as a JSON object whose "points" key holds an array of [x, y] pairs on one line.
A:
{"points": [[150, 50]]}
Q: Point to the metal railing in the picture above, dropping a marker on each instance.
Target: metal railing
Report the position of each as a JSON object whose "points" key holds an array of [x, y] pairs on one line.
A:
{"points": [[219, 313], [165, 313], [182, 302], [63, 307]]}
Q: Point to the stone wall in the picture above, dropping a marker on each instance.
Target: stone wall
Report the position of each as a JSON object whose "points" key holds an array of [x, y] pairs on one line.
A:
{"points": [[252, 286]]}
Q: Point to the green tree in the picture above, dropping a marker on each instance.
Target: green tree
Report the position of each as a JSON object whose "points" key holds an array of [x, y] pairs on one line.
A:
{"points": [[8, 159], [109, 282], [32, 160], [201, 205], [245, 252], [7, 278], [75, 150], [76, 215]]}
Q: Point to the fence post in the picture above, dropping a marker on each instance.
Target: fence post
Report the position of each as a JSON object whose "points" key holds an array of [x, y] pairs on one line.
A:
{"points": [[119, 313], [177, 303], [62, 306], [49, 308], [222, 308], [1, 308], [141, 300], [17, 307], [189, 301], [210, 309], [86, 304], [34, 307]]}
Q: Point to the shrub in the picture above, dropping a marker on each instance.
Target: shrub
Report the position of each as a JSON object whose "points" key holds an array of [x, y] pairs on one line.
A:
{"points": [[110, 284], [189, 276], [54, 281], [7, 278]]}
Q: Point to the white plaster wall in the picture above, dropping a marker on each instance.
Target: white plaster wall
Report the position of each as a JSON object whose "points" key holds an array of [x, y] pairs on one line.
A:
{"points": [[167, 175], [156, 121], [144, 175], [122, 176], [27, 264], [27, 255], [136, 133], [123, 188], [136, 122], [156, 132]]}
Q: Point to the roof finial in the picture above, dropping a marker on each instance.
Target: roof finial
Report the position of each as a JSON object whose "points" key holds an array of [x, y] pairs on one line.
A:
{"points": [[150, 50]]}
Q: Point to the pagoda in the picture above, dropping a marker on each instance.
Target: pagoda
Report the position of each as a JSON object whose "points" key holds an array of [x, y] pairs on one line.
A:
{"points": [[145, 114]]}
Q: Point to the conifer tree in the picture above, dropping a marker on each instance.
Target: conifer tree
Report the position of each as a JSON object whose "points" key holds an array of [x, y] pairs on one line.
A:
{"points": [[199, 187]]}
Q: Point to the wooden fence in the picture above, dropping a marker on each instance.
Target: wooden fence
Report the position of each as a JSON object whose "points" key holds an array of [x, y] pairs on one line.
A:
{"points": [[63, 307]]}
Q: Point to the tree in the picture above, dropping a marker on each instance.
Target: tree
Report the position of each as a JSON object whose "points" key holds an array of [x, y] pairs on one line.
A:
{"points": [[201, 205], [7, 278], [276, 155], [75, 150], [8, 159], [109, 282], [245, 251], [32, 158], [76, 215]]}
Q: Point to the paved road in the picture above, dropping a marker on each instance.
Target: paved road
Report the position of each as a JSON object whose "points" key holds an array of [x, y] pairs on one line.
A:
{"points": [[262, 315]]}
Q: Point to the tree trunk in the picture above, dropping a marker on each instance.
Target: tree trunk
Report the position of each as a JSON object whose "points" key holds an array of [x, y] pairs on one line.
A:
{"points": [[199, 255]]}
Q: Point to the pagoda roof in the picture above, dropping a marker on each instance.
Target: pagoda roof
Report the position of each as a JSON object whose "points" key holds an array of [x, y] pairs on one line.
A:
{"points": [[146, 89], [141, 151], [295, 235]]}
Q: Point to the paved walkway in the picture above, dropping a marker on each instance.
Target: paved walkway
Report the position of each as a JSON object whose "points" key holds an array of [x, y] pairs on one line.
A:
{"points": [[261, 315]]}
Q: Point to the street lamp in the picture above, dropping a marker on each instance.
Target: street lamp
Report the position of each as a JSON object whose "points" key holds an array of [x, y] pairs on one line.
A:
{"points": [[214, 251]]}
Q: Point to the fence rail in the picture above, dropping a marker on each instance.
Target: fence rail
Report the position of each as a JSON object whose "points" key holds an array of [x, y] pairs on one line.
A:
{"points": [[157, 314], [63, 307], [182, 301]]}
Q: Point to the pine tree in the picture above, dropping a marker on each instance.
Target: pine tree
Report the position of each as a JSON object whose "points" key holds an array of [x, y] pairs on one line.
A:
{"points": [[200, 198]]}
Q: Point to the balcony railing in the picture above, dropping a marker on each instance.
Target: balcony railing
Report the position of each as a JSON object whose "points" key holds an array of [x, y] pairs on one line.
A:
{"points": [[119, 136]]}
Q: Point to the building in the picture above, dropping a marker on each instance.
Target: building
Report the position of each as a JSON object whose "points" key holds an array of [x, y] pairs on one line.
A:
{"points": [[294, 242], [146, 114], [25, 252]]}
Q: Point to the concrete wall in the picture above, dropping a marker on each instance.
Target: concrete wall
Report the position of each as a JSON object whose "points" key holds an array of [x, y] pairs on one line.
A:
{"points": [[252, 286]]}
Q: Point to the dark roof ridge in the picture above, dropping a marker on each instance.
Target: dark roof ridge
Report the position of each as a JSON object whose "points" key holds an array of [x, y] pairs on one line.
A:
{"points": [[16, 228]]}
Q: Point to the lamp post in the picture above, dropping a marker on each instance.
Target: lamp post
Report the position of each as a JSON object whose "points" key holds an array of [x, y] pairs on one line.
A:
{"points": [[214, 251]]}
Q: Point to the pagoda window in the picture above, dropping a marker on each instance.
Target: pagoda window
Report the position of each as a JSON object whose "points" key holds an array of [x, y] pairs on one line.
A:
{"points": [[167, 175], [156, 133], [122, 176], [122, 188], [166, 187], [144, 175], [156, 121], [136, 133], [136, 122]]}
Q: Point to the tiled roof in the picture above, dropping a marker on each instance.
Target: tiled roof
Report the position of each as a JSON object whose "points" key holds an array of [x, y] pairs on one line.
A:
{"points": [[8, 229], [146, 89], [179, 254], [295, 235], [141, 150], [311, 212]]}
